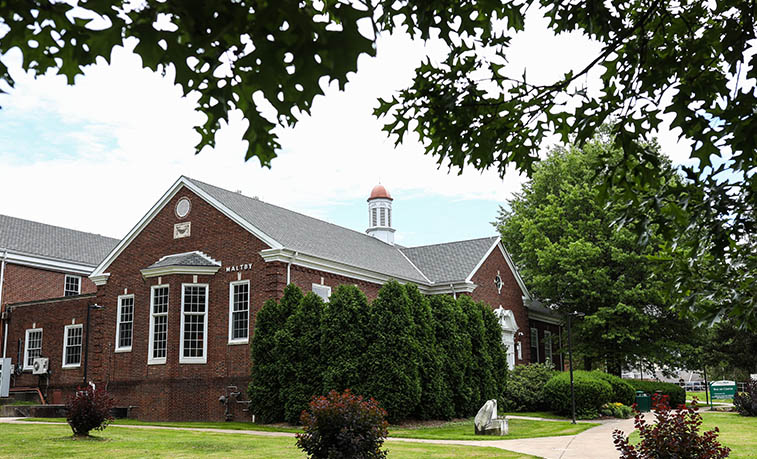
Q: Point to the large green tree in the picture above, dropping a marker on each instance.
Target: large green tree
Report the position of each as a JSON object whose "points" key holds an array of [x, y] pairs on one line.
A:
{"points": [[690, 60], [561, 236]]}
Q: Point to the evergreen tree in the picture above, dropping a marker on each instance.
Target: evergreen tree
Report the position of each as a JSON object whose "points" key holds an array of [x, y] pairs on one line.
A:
{"points": [[497, 352], [299, 348], [431, 404], [264, 390], [343, 340], [479, 375], [394, 353], [454, 348]]}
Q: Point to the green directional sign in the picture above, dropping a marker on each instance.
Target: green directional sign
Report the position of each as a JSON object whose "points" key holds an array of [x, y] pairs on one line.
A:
{"points": [[722, 389]]}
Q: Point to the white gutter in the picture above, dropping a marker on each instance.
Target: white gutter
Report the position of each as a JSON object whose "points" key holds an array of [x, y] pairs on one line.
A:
{"points": [[289, 267], [2, 309]]}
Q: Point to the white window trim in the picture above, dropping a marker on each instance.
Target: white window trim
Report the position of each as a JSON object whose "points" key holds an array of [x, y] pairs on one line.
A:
{"points": [[204, 358], [231, 312], [151, 340], [65, 282], [26, 346], [118, 322], [548, 345], [324, 287], [65, 344]]}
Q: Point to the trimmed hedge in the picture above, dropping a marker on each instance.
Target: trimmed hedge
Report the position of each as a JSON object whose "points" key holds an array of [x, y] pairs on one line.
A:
{"points": [[591, 393], [622, 392], [676, 394], [525, 387]]}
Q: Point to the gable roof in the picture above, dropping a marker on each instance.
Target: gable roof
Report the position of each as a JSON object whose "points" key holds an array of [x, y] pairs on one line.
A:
{"points": [[53, 242], [450, 261], [311, 236], [309, 242], [195, 258]]}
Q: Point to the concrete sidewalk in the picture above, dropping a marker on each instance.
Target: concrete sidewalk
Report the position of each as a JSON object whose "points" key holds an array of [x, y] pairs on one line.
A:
{"points": [[594, 443]]}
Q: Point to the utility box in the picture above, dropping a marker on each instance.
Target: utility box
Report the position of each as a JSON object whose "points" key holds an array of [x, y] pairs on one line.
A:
{"points": [[722, 389], [6, 370], [643, 401]]}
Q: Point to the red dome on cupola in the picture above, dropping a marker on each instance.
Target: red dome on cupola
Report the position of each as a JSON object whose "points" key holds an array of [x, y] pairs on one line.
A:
{"points": [[379, 192]]}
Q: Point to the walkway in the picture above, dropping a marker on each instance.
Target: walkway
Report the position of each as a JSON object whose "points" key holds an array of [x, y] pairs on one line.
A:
{"points": [[594, 443]]}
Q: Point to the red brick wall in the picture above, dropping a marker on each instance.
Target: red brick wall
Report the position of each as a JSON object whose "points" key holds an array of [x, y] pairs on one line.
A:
{"points": [[23, 283], [305, 278], [135, 382], [51, 317], [510, 296]]}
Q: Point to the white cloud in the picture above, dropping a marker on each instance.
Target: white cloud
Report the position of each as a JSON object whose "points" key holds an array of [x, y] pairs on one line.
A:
{"points": [[134, 138]]}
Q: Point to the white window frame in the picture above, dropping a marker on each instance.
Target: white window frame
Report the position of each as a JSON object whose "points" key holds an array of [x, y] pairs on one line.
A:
{"points": [[151, 346], [66, 331], [65, 284], [26, 346], [204, 358], [548, 346], [118, 322], [246, 339], [324, 288]]}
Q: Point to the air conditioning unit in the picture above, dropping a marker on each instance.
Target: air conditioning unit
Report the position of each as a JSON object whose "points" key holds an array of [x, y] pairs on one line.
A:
{"points": [[40, 365]]}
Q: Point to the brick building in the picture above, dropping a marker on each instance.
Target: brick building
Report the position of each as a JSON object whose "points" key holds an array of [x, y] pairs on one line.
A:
{"points": [[175, 300]]}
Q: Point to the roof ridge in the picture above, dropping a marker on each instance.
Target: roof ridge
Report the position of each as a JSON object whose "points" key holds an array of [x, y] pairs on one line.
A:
{"points": [[58, 227], [450, 242], [292, 211]]}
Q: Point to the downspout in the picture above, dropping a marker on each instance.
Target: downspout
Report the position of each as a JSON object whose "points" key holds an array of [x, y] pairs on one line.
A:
{"points": [[2, 307], [454, 294], [289, 267]]}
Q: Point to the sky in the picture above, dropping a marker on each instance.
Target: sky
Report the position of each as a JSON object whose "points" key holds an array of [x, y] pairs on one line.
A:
{"points": [[97, 155]]}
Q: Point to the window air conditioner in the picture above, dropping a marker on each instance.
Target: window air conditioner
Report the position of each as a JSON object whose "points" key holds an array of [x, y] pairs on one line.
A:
{"points": [[40, 365]]}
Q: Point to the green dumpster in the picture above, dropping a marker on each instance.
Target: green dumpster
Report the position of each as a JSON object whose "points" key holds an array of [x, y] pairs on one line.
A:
{"points": [[643, 401]]}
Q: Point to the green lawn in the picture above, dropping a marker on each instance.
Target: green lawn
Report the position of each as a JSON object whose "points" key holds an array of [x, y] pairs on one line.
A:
{"points": [[191, 425], [56, 441], [736, 432], [535, 414], [701, 399], [519, 428]]}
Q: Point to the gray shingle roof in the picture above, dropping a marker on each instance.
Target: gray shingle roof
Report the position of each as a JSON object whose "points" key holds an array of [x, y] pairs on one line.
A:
{"points": [[183, 259], [316, 237], [451, 261], [50, 241]]}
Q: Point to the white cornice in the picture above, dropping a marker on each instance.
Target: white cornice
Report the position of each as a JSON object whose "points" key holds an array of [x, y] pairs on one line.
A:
{"points": [[543, 317], [168, 270], [48, 263], [100, 279]]}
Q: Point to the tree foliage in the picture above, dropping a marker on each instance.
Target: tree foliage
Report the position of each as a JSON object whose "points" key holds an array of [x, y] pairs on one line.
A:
{"points": [[561, 236], [687, 61], [264, 379]]}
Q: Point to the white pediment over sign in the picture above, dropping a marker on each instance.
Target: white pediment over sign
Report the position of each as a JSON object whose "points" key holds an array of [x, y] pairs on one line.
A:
{"points": [[506, 319]]}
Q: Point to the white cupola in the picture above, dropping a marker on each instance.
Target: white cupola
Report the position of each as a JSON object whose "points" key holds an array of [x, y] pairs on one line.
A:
{"points": [[380, 215]]}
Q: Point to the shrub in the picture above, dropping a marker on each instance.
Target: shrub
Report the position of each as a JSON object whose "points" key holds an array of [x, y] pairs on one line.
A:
{"points": [[591, 393], [746, 402], [676, 394], [264, 389], [674, 434], [525, 387], [342, 425], [617, 410], [622, 392], [455, 350], [89, 409], [394, 354]]}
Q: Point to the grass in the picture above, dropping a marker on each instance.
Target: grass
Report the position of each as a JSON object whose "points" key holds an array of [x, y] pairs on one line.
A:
{"points": [[535, 414], [191, 425], [701, 399], [736, 432], [519, 428], [55, 441]]}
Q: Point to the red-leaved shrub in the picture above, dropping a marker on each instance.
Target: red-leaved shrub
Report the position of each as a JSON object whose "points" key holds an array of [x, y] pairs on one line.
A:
{"points": [[674, 435], [343, 425], [89, 409]]}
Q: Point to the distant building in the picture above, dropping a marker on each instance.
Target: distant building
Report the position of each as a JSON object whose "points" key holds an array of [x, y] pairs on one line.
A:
{"points": [[180, 292]]}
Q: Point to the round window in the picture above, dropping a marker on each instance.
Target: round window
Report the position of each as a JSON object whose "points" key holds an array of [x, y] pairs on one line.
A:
{"points": [[182, 207]]}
